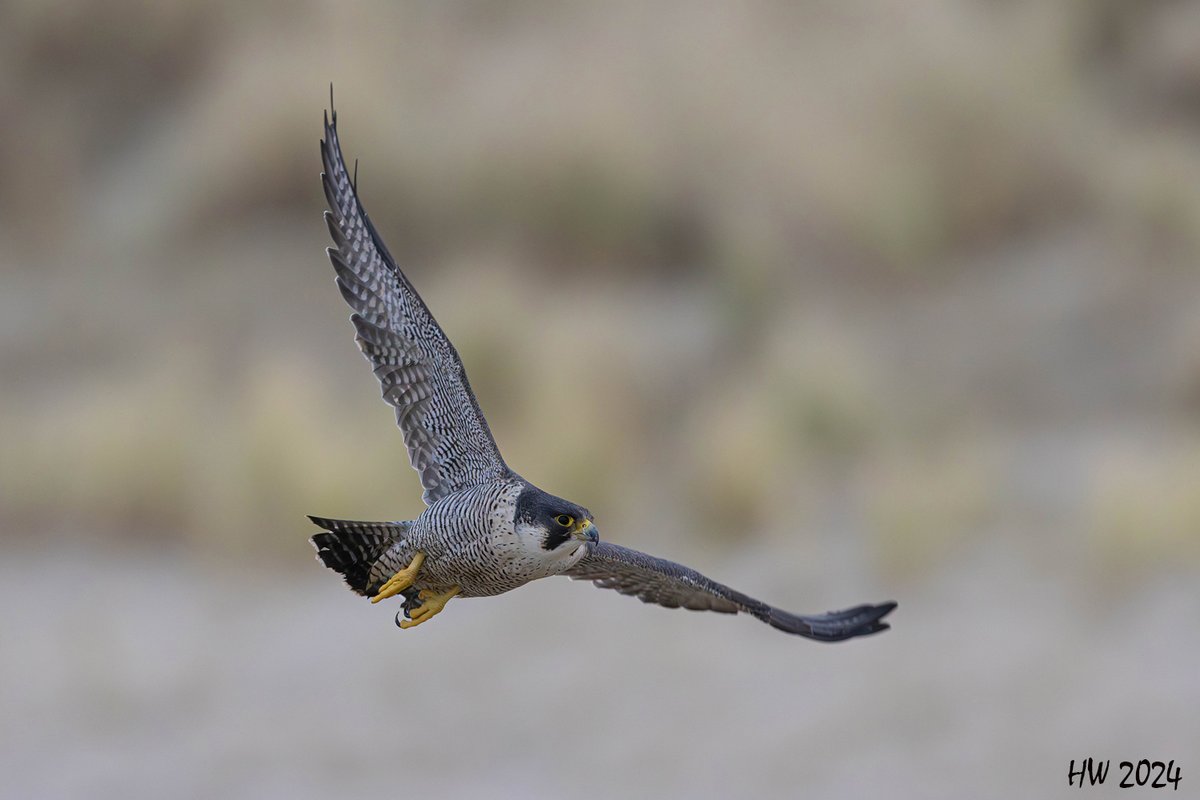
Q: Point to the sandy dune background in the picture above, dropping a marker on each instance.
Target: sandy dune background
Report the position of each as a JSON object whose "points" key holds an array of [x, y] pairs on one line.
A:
{"points": [[836, 302]]}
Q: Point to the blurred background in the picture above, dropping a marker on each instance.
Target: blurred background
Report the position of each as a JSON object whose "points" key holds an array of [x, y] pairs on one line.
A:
{"points": [[836, 302]]}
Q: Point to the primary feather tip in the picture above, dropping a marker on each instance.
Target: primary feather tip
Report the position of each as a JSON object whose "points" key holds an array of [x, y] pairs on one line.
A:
{"points": [[834, 626]]}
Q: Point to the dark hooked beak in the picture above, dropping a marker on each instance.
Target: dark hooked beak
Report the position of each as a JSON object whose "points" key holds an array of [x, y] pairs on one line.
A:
{"points": [[586, 531]]}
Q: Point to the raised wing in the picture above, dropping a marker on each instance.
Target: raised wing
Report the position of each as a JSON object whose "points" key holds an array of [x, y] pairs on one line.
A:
{"points": [[656, 580], [419, 371]]}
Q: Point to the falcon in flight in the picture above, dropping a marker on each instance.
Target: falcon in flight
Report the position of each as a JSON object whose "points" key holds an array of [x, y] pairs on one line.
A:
{"points": [[485, 529]]}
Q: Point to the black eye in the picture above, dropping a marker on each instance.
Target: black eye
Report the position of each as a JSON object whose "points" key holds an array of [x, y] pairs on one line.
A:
{"points": [[564, 520]]}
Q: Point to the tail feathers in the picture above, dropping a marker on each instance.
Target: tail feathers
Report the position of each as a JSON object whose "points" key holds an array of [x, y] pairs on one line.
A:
{"points": [[352, 548]]}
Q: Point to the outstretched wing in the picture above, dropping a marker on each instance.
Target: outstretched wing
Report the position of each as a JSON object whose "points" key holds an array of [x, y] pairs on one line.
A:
{"points": [[419, 371], [656, 580]]}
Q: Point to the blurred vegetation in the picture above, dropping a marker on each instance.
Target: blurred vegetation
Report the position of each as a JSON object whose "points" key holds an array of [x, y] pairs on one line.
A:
{"points": [[913, 274]]}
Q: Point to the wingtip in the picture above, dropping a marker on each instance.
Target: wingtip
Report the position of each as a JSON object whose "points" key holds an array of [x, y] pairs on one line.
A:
{"points": [[864, 620], [835, 626]]}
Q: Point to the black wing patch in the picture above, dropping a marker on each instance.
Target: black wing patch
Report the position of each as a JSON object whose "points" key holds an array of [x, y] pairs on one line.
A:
{"points": [[419, 371], [656, 580]]}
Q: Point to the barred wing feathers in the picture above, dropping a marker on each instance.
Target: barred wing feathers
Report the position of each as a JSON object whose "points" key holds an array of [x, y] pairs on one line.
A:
{"points": [[656, 580], [419, 371]]}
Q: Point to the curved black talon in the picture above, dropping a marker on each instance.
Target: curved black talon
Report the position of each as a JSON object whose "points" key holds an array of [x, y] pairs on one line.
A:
{"points": [[411, 601]]}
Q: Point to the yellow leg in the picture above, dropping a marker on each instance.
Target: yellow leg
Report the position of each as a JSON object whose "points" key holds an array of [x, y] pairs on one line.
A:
{"points": [[401, 580], [431, 604]]}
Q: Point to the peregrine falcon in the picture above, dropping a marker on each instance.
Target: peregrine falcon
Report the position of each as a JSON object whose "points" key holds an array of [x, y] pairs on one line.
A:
{"points": [[485, 529]]}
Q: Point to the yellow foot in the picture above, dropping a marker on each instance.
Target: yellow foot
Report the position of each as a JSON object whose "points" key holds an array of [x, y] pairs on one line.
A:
{"points": [[431, 604], [401, 580]]}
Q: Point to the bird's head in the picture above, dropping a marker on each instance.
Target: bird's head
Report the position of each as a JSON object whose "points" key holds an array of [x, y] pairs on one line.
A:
{"points": [[553, 524]]}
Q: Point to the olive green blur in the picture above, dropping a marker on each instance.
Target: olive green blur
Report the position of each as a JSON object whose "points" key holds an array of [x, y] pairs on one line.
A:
{"points": [[836, 302]]}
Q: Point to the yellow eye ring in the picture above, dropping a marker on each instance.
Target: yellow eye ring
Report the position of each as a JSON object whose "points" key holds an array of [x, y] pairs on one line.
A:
{"points": [[565, 520]]}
